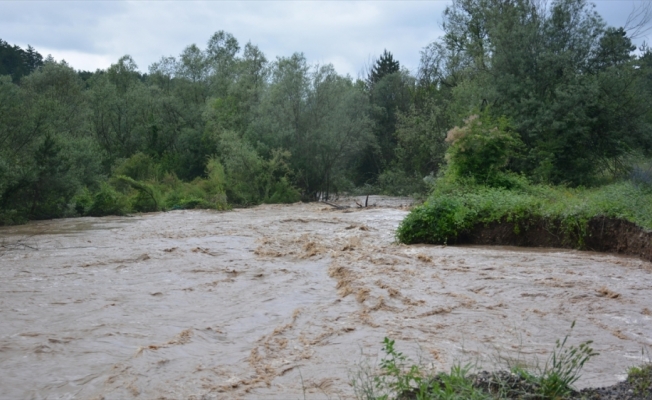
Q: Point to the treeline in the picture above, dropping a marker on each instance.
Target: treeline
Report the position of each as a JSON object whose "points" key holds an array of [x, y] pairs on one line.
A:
{"points": [[224, 125]]}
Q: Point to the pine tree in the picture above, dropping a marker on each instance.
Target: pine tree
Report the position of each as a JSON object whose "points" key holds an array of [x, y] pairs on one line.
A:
{"points": [[383, 66]]}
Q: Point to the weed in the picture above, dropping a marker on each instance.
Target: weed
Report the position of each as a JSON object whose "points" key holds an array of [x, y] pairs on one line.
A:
{"points": [[400, 379], [561, 370], [641, 379]]}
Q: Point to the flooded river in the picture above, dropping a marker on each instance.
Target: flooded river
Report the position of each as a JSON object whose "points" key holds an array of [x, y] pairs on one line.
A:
{"points": [[272, 301]]}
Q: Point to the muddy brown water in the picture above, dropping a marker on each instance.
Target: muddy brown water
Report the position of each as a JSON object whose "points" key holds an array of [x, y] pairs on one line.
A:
{"points": [[270, 301]]}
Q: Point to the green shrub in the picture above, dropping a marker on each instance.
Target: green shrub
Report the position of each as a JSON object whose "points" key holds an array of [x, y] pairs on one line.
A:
{"points": [[215, 185], [640, 378], [283, 192], [139, 167], [454, 207], [200, 193], [148, 197], [396, 182], [83, 201], [436, 221], [107, 201], [563, 368], [399, 378], [482, 149], [12, 217]]}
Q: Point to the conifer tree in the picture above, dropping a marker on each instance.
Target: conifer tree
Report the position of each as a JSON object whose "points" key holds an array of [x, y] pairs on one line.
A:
{"points": [[385, 65]]}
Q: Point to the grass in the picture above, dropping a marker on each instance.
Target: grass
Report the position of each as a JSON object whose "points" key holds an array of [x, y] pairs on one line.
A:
{"points": [[456, 207], [641, 379], [562, 369], [399, 378]]}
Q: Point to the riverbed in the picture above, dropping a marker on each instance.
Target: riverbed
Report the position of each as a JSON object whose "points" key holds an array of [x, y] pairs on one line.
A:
{"points": [[282, 301]]}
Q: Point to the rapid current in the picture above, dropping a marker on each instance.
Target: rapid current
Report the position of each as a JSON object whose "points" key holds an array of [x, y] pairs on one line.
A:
{"points": [[282, 301]]}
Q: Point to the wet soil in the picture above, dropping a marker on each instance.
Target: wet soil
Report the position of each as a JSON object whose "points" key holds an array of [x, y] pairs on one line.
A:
{"points": [[272, 301], [603, 234]]}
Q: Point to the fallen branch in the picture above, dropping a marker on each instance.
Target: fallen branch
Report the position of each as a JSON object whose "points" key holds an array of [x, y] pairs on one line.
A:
{"points": [[334, 205], [19, 243]]}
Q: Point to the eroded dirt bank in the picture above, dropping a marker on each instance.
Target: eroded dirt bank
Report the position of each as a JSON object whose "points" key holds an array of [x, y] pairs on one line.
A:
{"points": [[608, 235], [250, 303]]}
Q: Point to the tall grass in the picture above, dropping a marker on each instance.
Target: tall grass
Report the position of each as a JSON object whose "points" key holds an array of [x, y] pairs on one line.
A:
{"points": [[456, 207], [399, 378]]}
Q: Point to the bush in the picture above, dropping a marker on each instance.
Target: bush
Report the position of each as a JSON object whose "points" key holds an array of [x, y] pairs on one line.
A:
{"points": [[11, 217], [641, 378], [455, 207], [139, 167], [148, 197], [83, 202], [562, 369], [283, 192], [482, 149], [396, 182], [107, 201], [399, 378], [641, 176]]}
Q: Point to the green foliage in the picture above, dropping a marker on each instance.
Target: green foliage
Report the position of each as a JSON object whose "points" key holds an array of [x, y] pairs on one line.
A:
{"points": [[283, 192], [139, 167], [11, 217], [455, 207], [317, 116], [394, 379], [83, 201], [147, 199], [562, 369], [399, 378], [482, 149], [383, 66], [396, 182], [561, 98], [107, 201], [389, 97], [641, 379], [420, 135], [568, 83], [17, 62]]}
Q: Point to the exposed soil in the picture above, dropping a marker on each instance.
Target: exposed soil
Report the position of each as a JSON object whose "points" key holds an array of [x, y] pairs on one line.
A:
{"points": [[281, 300], [604, 234]]}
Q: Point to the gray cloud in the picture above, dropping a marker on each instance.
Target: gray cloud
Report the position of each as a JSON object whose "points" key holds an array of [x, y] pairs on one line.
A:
{"points": [[92, 35]]}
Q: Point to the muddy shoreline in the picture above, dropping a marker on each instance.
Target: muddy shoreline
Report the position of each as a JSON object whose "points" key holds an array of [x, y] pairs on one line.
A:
{"points": [[608, 235], [270, 301]]}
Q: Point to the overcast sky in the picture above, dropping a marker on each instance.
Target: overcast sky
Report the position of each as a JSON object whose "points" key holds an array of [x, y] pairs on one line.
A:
{"points": [[94, 34]]}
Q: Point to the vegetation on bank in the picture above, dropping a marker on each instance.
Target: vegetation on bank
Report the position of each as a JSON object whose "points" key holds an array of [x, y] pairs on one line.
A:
{"points": [[565, 100], [397, 377], [455, 209], [479, 186]]}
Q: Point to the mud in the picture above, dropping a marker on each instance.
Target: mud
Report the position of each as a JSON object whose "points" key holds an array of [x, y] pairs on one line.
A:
{"points": [[602, 234], [276, 300]]}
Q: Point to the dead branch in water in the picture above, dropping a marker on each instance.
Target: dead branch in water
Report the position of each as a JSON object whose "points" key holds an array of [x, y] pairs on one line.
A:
{"points": [[334, 205], [19, 244]]}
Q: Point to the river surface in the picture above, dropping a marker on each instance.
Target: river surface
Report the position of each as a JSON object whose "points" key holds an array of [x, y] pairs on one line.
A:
{"points": [[282, 301]]}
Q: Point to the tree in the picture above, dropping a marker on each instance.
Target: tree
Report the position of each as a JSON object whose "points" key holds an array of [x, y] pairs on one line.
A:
{"points": [[544, 68], [383, 66], [17, 62], [389, 91], [319, 117], [615, 49]]}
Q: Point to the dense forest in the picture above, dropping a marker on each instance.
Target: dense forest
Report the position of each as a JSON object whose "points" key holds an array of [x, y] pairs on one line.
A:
{"points": [[565, 100]]}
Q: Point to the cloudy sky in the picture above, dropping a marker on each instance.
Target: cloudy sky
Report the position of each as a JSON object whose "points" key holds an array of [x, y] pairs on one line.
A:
{"points": [[93, 34]]}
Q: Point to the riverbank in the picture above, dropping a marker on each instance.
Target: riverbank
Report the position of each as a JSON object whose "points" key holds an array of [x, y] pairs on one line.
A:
{"points": [[616, 218]]}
